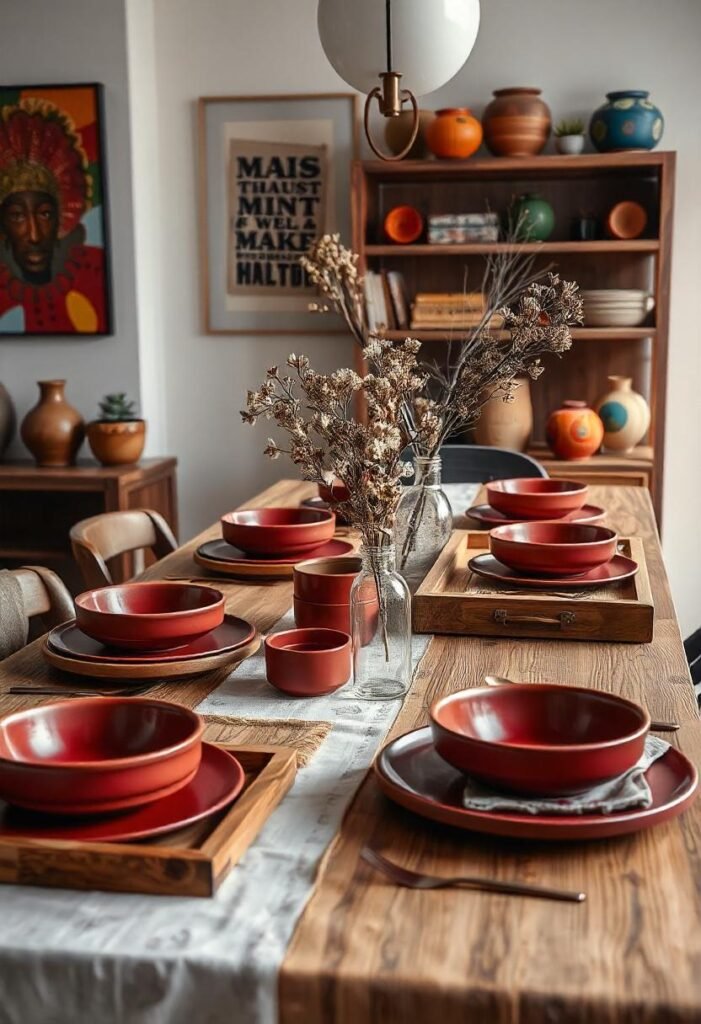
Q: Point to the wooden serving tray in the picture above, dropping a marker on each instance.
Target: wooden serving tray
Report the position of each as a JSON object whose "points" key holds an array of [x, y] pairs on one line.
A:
{"points": [[452, 599], [190, 862]]}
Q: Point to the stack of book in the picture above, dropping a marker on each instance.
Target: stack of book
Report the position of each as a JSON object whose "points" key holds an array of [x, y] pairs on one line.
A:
{"points": [[386, 300], [462, 228], [450, 311]]}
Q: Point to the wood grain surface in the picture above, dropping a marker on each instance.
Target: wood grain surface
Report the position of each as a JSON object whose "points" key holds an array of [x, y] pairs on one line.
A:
{"points": [[366, 951]]}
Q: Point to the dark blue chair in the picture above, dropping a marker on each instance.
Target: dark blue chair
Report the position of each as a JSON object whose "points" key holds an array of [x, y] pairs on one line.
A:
{"points": [[477, 463]]}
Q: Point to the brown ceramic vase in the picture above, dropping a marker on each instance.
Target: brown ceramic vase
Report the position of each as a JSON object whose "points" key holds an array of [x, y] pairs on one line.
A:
{"points": [[117, 444], [516, 123], [53, 430]]}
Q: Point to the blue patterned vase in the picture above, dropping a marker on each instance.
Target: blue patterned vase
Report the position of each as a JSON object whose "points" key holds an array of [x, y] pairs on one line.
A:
{"points": [[627, 121]]}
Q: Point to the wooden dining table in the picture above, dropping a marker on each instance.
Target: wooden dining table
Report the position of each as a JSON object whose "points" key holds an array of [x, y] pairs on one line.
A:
{"points": [[367, 952]]}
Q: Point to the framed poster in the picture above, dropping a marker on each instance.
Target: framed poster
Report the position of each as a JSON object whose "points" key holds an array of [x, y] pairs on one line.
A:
{"points": [[274, 176], [54, 249]]}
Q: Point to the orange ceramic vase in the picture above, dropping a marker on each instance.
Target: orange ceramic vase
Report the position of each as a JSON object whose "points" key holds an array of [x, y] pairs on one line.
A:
{"points": [[53, 430], [574, 431], [454, 134]]}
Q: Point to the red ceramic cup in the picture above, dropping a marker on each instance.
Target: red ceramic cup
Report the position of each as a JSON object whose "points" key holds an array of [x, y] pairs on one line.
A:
{"points": [[308, 662], [149, 616], [326, 580], [278, 531], [97, 754], [337, 492], [553, 549], [535, 497], [310, 615], [539, 738]]}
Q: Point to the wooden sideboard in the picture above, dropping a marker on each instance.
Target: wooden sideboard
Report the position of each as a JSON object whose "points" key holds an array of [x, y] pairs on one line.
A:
{"points": [[38, 506]]}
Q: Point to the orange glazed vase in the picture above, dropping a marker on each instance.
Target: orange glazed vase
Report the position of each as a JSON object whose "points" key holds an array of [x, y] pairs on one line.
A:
{"points": [[574, 431], [516, 123], [454, 134], [53, 430]]}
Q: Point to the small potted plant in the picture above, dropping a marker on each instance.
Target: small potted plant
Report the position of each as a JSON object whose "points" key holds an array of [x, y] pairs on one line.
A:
{"points": [[569, 136], [118, 436]]}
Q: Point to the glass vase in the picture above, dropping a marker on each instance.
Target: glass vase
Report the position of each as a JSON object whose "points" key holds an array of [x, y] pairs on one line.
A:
{"points": [[380, 606], [424, 521]]}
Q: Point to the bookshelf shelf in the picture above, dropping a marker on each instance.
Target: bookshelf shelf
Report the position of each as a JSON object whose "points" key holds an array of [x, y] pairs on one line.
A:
{"points": [[592, 182]]}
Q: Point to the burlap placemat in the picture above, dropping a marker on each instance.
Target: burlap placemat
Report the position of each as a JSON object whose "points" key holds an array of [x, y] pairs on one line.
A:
{"points": [[304, 737]]}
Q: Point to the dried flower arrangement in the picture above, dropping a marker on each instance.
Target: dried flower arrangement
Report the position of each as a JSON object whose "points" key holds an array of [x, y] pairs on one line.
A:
{"points": [[327, 442]]}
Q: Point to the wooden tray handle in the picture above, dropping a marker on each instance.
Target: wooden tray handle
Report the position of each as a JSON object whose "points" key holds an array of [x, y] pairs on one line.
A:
{"points": [[504, 618]]}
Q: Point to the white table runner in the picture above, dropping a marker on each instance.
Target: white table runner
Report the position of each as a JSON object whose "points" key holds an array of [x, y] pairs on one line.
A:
{"points": [[107, 958]]}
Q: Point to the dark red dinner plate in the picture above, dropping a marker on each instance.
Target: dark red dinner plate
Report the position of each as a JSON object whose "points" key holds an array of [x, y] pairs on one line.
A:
{"points": [[220, 551], [68, 640], [489, 516], [411, 773], [619, 568], [218, 781]]}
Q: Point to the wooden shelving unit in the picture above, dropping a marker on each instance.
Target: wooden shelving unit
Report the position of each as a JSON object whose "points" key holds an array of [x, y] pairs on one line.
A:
{"points": [[589, 184]]}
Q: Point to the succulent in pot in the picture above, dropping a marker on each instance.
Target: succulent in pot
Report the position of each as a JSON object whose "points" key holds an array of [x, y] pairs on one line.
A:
{"points": [[569, 136], [118, 436]]}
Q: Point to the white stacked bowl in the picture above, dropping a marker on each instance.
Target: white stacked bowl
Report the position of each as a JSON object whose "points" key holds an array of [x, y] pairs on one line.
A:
{"points": [[615, 307]]}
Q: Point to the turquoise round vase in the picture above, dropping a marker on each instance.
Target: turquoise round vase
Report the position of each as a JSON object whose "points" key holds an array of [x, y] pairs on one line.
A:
{"points": [[629, 120], [533, 218]]}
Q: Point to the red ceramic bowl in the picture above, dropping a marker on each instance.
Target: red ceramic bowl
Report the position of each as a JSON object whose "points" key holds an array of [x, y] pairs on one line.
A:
{"points": [[536, 498], [337, 492], [278, 531], [553, 549], [308, 662], [97, 754], [326, 580], [149, 616], [403, 224], [539, 738]]}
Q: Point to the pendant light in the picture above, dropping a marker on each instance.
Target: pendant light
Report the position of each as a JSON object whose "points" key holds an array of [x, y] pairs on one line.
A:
{"points": [[429, 40]]}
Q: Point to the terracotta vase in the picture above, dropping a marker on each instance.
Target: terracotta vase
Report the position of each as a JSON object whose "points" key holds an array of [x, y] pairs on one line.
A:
{"points": [[625, 415], [398, 131], [117, 443], [53, 430], [516, 123], [8, 419], [574, 431], [507, 424], [454, 134]]}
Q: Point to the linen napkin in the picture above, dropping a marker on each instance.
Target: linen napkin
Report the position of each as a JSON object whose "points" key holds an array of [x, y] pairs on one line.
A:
{"points": [[619, 794]]}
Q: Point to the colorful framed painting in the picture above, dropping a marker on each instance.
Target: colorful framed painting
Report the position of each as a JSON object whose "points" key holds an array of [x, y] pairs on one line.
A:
{"points": [[54, 246], [274, 176]]}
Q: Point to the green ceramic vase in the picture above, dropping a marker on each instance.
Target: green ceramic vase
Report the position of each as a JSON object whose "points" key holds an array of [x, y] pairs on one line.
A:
{"points": [[533, 218]]}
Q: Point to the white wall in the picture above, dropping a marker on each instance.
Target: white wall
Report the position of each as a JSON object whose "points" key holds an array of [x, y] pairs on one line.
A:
{"points": [[575, 51], [44, 42]]}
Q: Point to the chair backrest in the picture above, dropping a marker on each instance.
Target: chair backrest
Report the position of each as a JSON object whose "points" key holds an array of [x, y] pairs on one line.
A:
{"points": [[476, 464], [97, 540], [27, 593]]}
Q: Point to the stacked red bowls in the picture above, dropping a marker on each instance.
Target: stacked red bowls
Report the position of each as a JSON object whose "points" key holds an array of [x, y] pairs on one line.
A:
{"points": [[322, 589], [96, 755]]}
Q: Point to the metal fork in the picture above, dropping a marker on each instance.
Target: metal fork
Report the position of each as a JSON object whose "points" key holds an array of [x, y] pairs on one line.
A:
{"points": [[55, 691], [414, 880]]}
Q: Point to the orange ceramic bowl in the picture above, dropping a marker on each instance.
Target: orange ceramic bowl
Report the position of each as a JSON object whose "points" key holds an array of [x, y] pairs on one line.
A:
{"points": [[539, 738], [313, 615], [627, 220], [403, 225], [553, 549], [278, 532], [149, 616], [326, 580], [97, 754], [308, 662], [535, 497]]}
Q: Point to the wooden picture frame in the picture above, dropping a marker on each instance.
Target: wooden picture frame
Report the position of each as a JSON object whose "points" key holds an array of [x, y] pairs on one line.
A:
{"points": [[55, 256], [304, 143]]}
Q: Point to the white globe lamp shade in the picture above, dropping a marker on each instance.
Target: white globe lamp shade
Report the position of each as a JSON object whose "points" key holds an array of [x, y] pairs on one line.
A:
{"points": [[431, 40]]}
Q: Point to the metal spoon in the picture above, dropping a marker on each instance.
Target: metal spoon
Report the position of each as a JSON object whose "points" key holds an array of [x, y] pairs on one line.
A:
{"points": [[654, 725]]}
